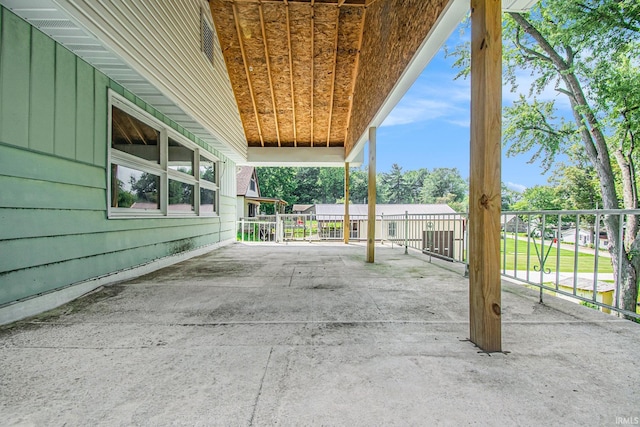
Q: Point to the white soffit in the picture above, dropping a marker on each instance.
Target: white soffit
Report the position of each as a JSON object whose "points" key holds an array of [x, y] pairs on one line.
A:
{"points": [[48, 17], [298, 156]]}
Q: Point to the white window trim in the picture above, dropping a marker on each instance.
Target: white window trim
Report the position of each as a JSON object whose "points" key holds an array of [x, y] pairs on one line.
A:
{"points": [[161, 169]]}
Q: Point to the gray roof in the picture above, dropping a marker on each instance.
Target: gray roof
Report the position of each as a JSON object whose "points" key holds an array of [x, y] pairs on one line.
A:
{"points": [[300, 208], [360, 209]]}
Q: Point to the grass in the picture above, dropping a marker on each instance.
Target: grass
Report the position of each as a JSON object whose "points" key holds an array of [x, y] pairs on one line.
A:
{"points": [[585, 260]]}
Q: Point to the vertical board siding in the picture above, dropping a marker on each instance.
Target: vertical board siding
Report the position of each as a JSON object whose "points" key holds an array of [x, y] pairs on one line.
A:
{"points": [[53, 174], [100, 111], [65, 103], [14, 79], [41, 102], [84, 112]]}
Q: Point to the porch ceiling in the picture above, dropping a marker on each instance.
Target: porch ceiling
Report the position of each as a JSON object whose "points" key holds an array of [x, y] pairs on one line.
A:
{"points": [[315, 73]]}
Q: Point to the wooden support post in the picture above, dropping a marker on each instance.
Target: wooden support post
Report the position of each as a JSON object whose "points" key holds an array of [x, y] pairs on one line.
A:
{"points": [[484, 188], [346, 225], [371, 186]]}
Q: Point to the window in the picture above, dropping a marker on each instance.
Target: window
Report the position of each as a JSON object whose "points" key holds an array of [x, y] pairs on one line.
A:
{"points": [[153, 171], [392, 229], [252, 184]]}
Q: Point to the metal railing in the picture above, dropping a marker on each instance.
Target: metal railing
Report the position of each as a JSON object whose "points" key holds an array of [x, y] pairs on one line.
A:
{"points": [[565, 253], [439, 235]]}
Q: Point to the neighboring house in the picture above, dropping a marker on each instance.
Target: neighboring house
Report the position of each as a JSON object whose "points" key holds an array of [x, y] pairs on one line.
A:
{"points": [[513, 224], [584, 237], [248, 194], [303, 209], [437, 226]]}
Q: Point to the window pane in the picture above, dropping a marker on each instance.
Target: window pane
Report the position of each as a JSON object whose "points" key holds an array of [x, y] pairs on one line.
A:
{"points": [[180, 157], [208, 170], [180, 196], [131, 188], [132, 136], [207, 201]]}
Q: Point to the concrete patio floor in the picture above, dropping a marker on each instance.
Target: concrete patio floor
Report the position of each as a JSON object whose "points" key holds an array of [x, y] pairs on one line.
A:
{"points": [[309, 334]]}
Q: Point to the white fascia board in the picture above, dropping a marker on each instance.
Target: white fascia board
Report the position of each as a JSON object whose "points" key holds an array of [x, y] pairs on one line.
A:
{"points": [[297, 156], [453, 14]]}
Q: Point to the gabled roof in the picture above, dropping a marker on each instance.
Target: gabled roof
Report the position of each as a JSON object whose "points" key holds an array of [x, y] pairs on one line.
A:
{"points": [[243, 179], [384, 209], [300, 208]]}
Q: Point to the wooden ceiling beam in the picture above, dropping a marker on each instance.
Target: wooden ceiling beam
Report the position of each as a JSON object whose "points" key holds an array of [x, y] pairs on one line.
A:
{"points": [[355, 75], [135, 127], [122, 130], [293, 93], [268, 62], [333, 77], [246, 70], [312, 64]]}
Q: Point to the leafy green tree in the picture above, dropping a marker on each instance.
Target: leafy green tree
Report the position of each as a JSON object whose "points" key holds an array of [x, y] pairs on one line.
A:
{"points": [[396, 188], [307, 188], [539, 198], [146, 188], [279, 182], [509, 198], [415, 180], [587, 51], [358, 190], [125, 198], [442, 182], [330, 184]]}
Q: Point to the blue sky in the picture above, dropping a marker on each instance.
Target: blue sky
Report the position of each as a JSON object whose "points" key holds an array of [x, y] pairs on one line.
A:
{"points": [[429, 128]]}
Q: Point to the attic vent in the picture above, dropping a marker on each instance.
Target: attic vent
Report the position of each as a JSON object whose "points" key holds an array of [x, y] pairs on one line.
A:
{"points": [[52, 23], [207, 37]]}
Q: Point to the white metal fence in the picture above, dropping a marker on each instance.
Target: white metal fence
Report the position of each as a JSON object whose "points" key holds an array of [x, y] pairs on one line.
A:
{"points": [[566, 253]]}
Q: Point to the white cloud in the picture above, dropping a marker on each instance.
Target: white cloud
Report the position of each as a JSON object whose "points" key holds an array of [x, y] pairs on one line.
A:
{"points": [[463, 123], [439, 98], [417, 110], [515, 187]]}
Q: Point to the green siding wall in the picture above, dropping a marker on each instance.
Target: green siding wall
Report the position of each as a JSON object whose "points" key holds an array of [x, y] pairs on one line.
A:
{"points": [[53, 156]]}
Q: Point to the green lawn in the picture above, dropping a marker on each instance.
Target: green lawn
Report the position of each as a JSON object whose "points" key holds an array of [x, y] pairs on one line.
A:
{"points": [[585, 261]]}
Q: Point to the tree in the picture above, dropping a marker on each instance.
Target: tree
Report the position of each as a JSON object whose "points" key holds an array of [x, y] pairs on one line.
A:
{"points": [[358, 191], [509, 197], [395, 188], [587, 51], [538, 198], [330, 184], [278, 182], [307, 185], [145, 188], [415, 180], [442, 182]]}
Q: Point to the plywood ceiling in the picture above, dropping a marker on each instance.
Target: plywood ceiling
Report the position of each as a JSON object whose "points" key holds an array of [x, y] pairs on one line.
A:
{"points": [[304, 71], [292, 65]]}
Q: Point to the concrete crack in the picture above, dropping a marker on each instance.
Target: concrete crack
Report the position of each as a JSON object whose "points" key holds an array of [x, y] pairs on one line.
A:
{"points": [[264, 374]]}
